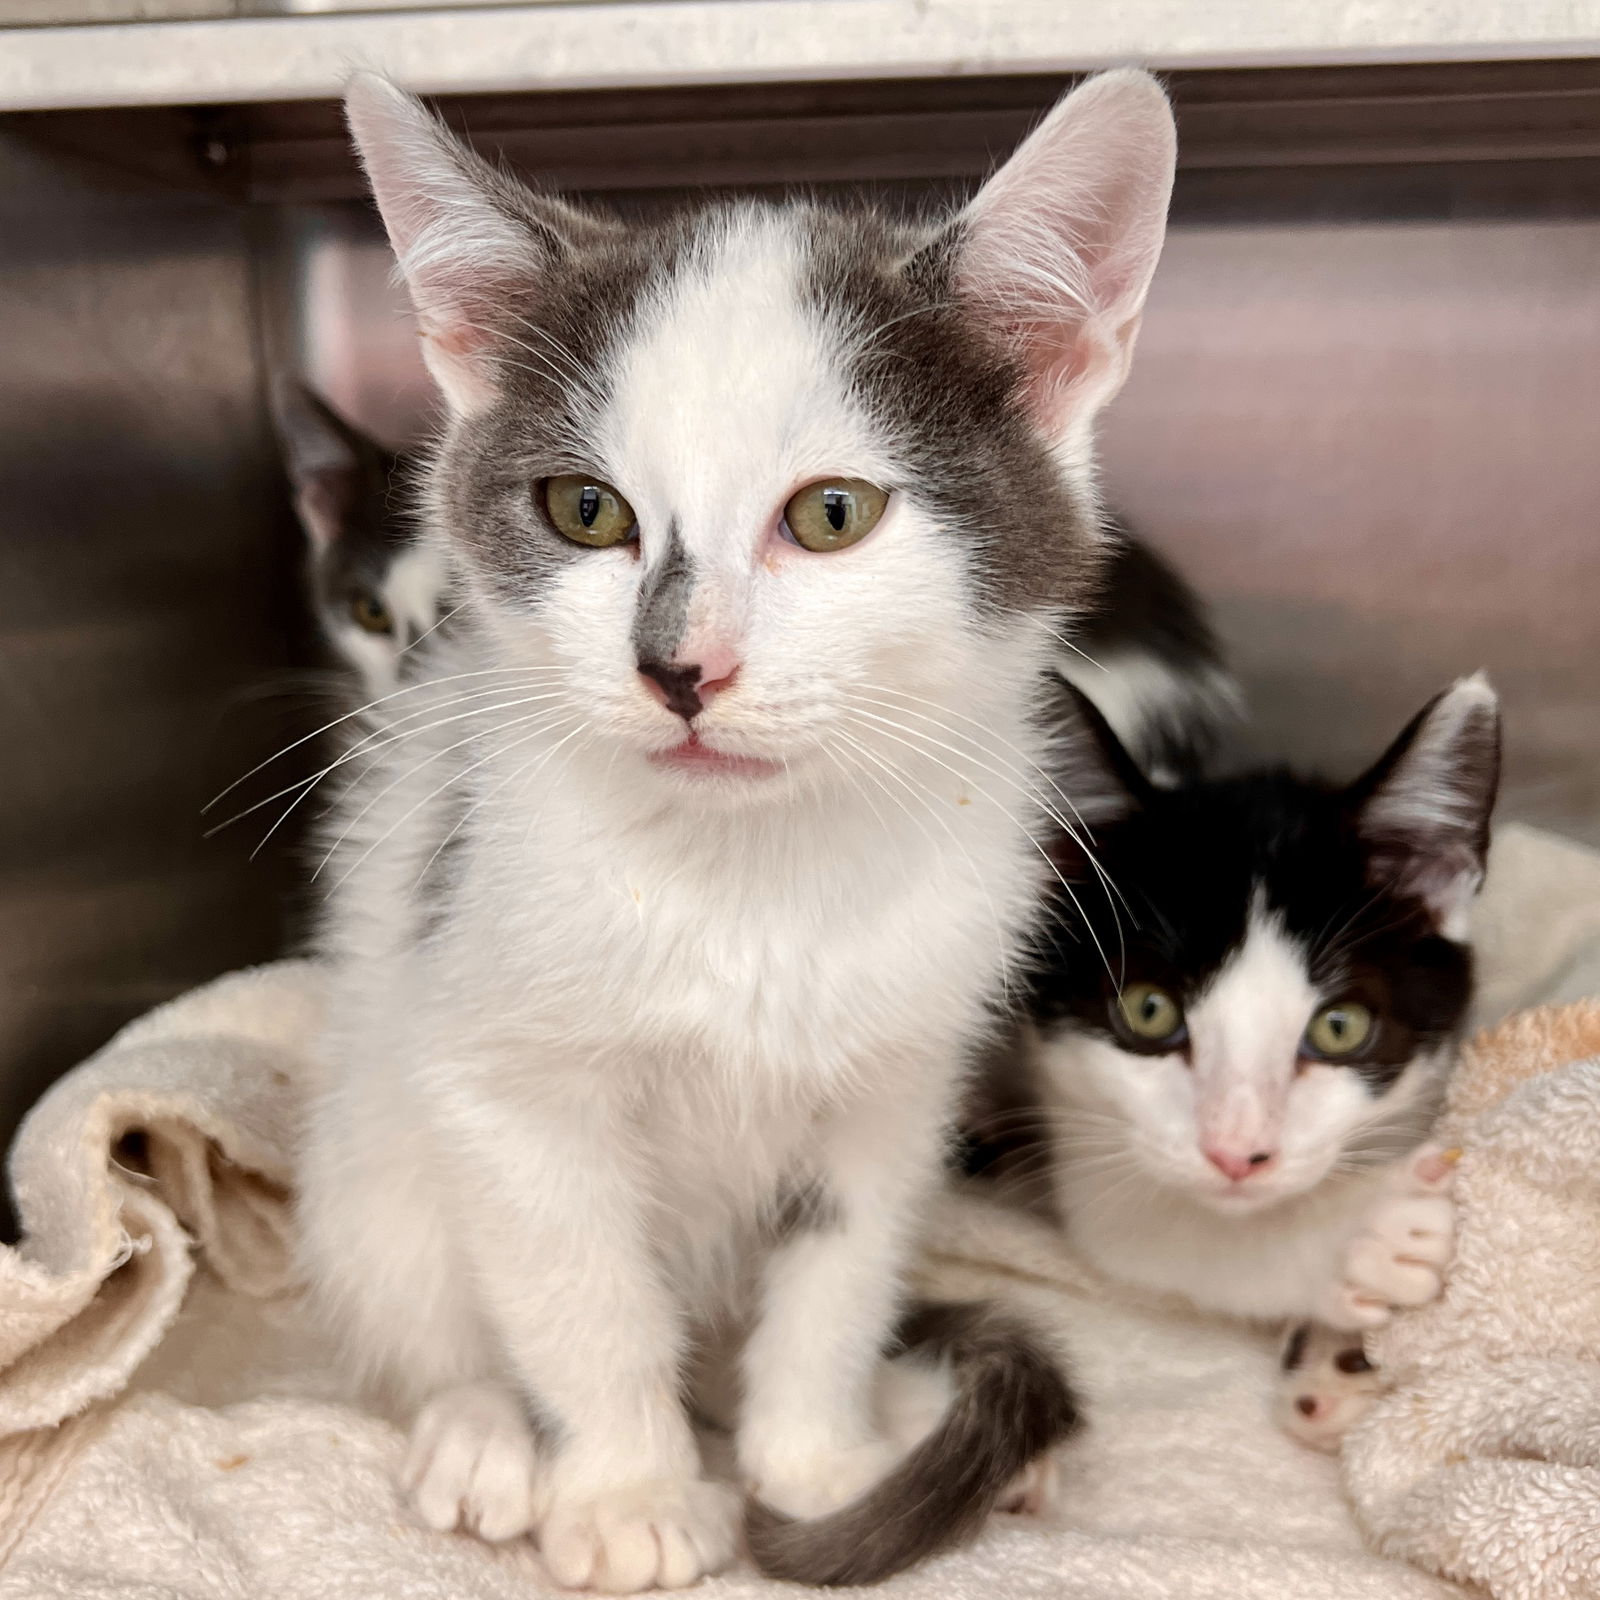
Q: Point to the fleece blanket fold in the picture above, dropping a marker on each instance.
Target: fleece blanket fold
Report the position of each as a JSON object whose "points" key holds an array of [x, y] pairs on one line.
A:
{"points": [[171, 1425]]}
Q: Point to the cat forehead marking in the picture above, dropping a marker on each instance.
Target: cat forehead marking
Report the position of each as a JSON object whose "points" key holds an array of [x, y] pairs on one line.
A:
{"points": [[730, 390]]}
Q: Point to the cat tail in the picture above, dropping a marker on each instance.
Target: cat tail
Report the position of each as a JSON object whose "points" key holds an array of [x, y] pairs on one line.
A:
{"points": [[1011, 1403]]}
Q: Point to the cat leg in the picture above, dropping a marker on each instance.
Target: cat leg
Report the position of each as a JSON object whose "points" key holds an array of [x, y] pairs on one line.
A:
{"points": [[1404, 1243], [808, 1438], [569, 1281], [378, 1247]]}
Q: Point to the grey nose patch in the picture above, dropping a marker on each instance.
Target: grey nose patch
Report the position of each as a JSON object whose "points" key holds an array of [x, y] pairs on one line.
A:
{"points": [[662, 616]]}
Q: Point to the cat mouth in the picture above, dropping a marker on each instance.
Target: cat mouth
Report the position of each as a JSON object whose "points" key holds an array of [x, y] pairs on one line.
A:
{"points": [[698, 759]]}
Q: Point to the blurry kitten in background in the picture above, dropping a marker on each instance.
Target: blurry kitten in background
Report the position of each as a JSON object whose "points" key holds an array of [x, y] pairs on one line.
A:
{"points": [[375, 587], [1241, 1043]]}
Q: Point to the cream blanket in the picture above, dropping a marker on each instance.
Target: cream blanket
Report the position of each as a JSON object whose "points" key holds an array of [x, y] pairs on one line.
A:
{"points": [[170, 1427]]}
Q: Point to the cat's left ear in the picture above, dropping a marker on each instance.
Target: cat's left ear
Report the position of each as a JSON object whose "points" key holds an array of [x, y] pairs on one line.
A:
{"points": [[1423, 810], [1057, 250]]}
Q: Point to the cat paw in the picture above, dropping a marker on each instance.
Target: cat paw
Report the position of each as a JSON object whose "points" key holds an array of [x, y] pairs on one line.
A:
{"points": [[1399, 1256], [472, 1464], [817, 1482], [665, 1534], [1327, 1385]]}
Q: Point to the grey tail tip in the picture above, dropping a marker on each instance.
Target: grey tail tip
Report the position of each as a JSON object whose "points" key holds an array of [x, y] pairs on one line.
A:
{"points": [[1012, 1402]]}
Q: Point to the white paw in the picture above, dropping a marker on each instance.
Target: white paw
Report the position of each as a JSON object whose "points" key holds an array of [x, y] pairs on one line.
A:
{"points": [[1405, 1243], [817, 1482], [472, 1463], [1036, 1490], [1326, 1387], [660, 1535]]}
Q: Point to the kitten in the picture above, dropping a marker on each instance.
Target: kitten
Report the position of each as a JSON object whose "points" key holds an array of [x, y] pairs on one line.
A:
{"points": [[665, 920], [1240, 1087], [375, 586]]}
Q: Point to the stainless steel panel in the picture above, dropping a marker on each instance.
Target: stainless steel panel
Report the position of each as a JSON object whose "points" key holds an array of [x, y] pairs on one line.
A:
{"points": [[146, 603]]}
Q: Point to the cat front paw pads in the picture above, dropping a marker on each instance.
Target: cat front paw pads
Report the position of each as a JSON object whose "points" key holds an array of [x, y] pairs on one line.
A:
{"points": [[1404, 1246], [472, 1463], [664, 1534]]}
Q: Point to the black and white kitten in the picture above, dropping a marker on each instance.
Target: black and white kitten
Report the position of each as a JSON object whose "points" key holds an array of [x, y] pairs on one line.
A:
{"points": [[1243, 1030], [667, 912], [376, 587]]}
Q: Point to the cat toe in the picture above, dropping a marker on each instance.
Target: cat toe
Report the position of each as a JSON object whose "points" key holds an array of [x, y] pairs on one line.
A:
{"points": [[471, 1463], [659, 1535], [818, 1482]]}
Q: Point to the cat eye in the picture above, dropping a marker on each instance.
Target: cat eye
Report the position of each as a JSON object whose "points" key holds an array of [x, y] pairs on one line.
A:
{"points": [[1352, 1361], [1150, 1014], [370, 614], [1339, 1030], [833, 514], [588, 511]]}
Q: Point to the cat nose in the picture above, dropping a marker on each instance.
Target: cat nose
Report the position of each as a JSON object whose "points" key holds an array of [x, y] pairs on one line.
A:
{"points": [[1235, 1166], [684, 688], [1306, 1405]]}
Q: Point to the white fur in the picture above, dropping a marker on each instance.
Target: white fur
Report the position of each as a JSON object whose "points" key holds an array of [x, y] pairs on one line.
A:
{"points": [[1142, 1201]]}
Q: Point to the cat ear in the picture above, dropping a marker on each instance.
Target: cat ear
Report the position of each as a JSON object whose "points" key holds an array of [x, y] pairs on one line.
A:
{"points": [[329, 463], [1057, 249], [1094, 772], [1423, 810], [469, 239]]}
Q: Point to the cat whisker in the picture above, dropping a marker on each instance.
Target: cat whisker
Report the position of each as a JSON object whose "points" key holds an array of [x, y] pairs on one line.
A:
{"points": [[1085, 838], [362, 710], [1001, 943], [1019, 824], [411, 811], [381, 738], [477, 736]]}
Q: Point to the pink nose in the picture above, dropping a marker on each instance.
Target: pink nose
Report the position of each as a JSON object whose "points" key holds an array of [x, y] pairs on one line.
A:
{"points": [[1236, 1165]]}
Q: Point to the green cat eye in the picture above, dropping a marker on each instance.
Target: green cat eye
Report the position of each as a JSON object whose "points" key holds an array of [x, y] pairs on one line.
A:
{"points": [[834, 513], [370, 614], [587, 511], [1339, 1030], [1150, 1013]]}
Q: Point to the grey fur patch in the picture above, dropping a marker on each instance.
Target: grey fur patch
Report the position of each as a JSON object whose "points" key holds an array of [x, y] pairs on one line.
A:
{"points": [[662, 615], [941, 385], [1012, 1403], [805, 1207], [557, 335]]}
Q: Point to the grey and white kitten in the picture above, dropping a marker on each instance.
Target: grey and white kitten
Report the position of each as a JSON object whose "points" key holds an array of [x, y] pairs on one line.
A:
{"points": [[376, 586], [680, 882]]}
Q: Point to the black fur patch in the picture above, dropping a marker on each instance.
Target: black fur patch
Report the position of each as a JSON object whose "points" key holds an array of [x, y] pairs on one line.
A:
{"points": [[1294, 1352], [1012, 1403], [1187, 865]]}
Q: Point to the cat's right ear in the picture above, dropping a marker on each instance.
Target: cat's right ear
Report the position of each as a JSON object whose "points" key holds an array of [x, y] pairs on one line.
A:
{"points": [[1423, 810], [470, 241], [1057, 249], [327, 461]]}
